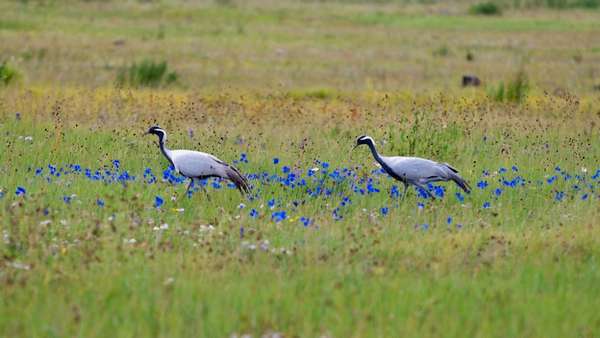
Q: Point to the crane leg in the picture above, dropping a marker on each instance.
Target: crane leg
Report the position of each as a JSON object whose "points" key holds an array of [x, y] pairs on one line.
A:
{"points": [[187, 192], [405, 190], [205, 192]]}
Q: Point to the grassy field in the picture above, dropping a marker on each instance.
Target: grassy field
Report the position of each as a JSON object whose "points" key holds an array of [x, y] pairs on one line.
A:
{"points": [[99, 238]]}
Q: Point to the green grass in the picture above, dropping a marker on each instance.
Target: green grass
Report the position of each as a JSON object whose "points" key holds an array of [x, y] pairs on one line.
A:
{"points": [[299, 81], [526, 266]]}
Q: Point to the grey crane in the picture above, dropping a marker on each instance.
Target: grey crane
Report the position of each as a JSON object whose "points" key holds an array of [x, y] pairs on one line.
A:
{"points": [[414, 170], [197, 165]]}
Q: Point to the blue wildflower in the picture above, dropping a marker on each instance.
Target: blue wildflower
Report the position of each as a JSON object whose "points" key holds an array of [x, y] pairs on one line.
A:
{"points": [[449, 220], [395, 192], [460, 197], [20, 191], [420, 205], [271, 203], [425, 226], [305, 221], [253, 213], [371, 188], [116, 164], [584, 197], [482, 184], [100, 202], [384, 211], [515, 168], [559, 196], [422, 193], [38, 171], [67, 199], [285, 169], [275, 160], [278, 216], [158, 202], [325, 165], [336, 214], [439, 191], [502, 170], [487, 205], [498, 192]]}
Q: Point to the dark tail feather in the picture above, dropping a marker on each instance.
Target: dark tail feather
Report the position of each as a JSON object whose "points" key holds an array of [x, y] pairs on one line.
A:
{"points": [[464, 185], [238, 179]]}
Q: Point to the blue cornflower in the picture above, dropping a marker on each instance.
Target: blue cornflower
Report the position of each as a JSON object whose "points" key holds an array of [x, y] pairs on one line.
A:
{"points": [[372, 189], [305, 221], [271, 203], [336, 214], [449, 220], [395, 193], [502, 170], [67, 199], [498, 192], [584, 197], [38, 171], [482, 184], [325, 165], [158, 202], [551, 179], [460, 197], [422, 193], [485, 173], [244, 158], [345, 201], [487, 205], [285, 169], [425, 226], [216, 185], [420, 205], [253, 213], [275, 160], [439, 191], [241, 232], [559, 196], [384, 211], [116, 164], [100, 202], [278, 216], [20, 191], [515, 168]]}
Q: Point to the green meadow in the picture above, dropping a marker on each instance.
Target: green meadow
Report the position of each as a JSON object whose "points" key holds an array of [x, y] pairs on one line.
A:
{"points": [[98, 235]]}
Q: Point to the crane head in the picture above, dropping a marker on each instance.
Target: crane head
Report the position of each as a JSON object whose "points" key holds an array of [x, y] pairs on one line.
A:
{"points": [[364, 139], [156, 130]]}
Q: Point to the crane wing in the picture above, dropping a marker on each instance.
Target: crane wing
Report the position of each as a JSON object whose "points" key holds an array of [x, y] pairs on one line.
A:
{"points": [[415, 168], [198, 164]]}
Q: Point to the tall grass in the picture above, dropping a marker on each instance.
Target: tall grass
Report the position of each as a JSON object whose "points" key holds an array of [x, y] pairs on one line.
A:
{"points": [[97, 257], [146, 73]]}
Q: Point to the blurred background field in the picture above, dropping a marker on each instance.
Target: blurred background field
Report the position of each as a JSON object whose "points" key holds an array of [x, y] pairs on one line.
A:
{"points": [[99, 238], [291, 45]]}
